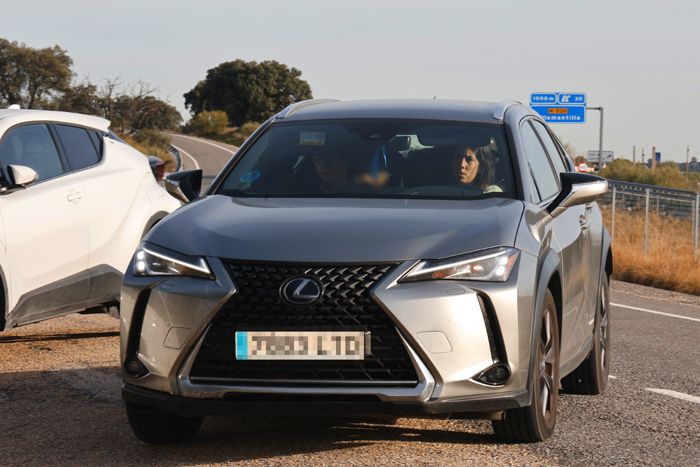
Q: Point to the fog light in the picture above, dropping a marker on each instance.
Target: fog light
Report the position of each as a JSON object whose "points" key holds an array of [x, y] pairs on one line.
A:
{"points": [[135, 368], [495, 375]]}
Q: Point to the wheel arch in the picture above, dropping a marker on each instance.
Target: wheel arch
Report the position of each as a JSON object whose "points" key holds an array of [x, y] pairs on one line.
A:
{"points": [[607, 255], [549, 276], [152, 221], [3, 301]]}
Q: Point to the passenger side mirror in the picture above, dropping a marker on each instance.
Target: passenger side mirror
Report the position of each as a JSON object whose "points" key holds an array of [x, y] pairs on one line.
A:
{"points": [[577, 188], [185, 185], [22, 175]]}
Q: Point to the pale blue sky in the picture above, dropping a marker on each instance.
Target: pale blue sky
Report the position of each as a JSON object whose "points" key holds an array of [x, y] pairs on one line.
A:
{"points": [[640, 59]]}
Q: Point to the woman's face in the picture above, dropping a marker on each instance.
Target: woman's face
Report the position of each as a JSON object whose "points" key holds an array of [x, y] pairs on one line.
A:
{"points": [[466, 166]]}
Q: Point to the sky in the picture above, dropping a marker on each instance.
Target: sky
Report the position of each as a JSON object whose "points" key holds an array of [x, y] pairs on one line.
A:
{"points": [[640, 59]]}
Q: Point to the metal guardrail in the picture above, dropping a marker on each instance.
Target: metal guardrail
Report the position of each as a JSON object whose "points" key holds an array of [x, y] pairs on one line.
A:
{"points": [[646, 199]]}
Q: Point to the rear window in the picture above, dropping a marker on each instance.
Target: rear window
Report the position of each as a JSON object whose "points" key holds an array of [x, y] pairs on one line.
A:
{"points": [[79, 147], [375, 158]]}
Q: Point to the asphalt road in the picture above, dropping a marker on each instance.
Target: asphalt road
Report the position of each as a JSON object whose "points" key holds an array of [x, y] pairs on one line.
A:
{"points": [[198, 153], [60, 403]]}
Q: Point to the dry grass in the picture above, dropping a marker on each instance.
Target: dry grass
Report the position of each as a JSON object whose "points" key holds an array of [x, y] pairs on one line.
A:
{"points": [[669, 262]]}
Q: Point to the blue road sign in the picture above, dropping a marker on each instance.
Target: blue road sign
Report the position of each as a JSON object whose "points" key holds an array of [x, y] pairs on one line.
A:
{"points": [[560, 107], [561, 113], [564, 98], [543, 98]]}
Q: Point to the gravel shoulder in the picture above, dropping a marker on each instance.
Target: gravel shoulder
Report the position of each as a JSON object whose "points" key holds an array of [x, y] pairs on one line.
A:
{"points": [[60, 403]]}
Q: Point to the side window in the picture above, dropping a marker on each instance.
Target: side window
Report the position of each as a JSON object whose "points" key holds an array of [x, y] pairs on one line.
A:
{"points": [[96, 137], [80, 150], [554, 154], [32, 146], [540, 166]]}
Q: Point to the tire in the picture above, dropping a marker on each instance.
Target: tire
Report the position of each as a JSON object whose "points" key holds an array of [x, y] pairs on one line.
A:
{"points": [[157, 427], [536, 422], [591, 376]]}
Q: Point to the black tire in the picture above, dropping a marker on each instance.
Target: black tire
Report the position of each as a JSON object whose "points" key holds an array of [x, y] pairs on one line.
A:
{"points": [[157, 427], [591, 376], [536, 422]]}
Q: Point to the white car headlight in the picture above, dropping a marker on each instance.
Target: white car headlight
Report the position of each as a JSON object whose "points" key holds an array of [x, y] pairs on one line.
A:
{"points": [[494, 265], [150, 260]]}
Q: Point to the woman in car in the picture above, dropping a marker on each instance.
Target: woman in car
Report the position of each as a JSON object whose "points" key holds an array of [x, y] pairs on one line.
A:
{"points": [[476, 170]]}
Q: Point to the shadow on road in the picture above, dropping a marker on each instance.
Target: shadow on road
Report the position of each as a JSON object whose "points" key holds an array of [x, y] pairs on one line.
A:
{"points": [[76, 416]]}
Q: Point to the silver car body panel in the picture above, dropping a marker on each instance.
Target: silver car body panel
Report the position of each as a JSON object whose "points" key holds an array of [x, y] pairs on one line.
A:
{"points": [[440, 322]]}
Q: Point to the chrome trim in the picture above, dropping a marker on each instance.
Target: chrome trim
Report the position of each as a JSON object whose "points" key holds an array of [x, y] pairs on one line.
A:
{"points": [[421, 392], [325, 382], [501, 108], [291, 108]]}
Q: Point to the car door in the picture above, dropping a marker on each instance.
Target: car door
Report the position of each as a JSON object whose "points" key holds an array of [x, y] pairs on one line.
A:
{"points": [[46, 229], [566, 237], [589, 265]]}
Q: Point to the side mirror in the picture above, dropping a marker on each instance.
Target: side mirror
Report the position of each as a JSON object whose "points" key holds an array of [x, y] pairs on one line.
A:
{"points": [[22, 175], [577, 188], [185, 185]]}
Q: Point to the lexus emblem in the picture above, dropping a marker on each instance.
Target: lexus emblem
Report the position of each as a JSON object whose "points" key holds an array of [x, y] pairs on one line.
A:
{"points": [[301, 291]]}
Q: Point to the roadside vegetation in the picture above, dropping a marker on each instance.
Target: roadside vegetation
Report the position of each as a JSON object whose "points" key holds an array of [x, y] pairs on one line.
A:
{"points": [[669, 262], [667, 174], [153, 143], [215, 125], [43, 79], [234, 96]]}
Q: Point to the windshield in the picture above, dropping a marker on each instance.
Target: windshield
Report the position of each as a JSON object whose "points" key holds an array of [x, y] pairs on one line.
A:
{"points": [[374, 158]]}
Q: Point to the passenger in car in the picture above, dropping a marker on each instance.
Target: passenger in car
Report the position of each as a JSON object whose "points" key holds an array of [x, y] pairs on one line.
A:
{"points": [[332, 171], [474, 168], [375, 171]]}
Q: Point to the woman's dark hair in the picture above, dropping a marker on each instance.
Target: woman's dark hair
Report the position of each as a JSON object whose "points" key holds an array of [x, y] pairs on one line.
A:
{"points": [[486, 174]]}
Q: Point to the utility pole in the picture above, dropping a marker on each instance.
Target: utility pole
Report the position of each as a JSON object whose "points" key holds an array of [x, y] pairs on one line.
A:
{"points": [[600, 139], [634, 154], [653, 158], [644, 161], [687, 161]]}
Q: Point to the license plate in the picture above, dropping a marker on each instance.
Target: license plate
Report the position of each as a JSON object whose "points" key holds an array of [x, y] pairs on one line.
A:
{"points": [[302, 345]]}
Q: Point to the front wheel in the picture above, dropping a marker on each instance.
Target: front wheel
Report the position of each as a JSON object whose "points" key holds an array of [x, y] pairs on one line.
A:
{"points": [[157, 427], [591, 376], [536, 422]]}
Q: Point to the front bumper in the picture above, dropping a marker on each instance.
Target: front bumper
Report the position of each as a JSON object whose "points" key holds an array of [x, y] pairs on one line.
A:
{"points": [[287, 404], [164, 322]]}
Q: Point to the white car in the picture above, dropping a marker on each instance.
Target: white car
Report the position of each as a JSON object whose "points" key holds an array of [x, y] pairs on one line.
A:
{"points": [[75, 202]]}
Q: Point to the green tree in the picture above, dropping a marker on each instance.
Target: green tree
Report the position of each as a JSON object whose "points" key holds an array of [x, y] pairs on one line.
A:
{"points": [[82, 98], [31, 77], [208, 123], [248, 91]]}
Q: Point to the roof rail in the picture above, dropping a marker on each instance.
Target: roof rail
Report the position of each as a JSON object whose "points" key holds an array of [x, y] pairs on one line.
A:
{"points": [[291, 108], [502, 106]]}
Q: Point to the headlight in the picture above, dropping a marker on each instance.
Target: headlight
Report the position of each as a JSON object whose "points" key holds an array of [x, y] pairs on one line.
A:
{"points": [[155, 261], [494, 265]]}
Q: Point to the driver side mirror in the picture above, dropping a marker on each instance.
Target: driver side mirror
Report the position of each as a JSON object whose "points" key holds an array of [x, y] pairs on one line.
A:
{"points": [[22, 175], [576, 189], [185, 185]]}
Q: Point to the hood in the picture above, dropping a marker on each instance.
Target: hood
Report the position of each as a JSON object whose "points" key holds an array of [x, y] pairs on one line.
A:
{"points": [[337, 230]]}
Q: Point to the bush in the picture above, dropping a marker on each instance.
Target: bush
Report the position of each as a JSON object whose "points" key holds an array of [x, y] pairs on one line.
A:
{"points": [[208, 123], [239, 135], [666, 174], [153, 143]]}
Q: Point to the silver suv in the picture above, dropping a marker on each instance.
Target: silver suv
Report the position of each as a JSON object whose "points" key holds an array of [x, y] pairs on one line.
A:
{"points": [[429, 257]]}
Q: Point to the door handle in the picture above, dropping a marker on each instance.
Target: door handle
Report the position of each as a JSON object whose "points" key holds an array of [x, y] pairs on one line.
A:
{"points": [[74, 196]]}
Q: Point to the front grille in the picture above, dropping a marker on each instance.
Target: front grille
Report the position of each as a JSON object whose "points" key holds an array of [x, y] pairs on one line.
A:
{"points": [[346, 305]]}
